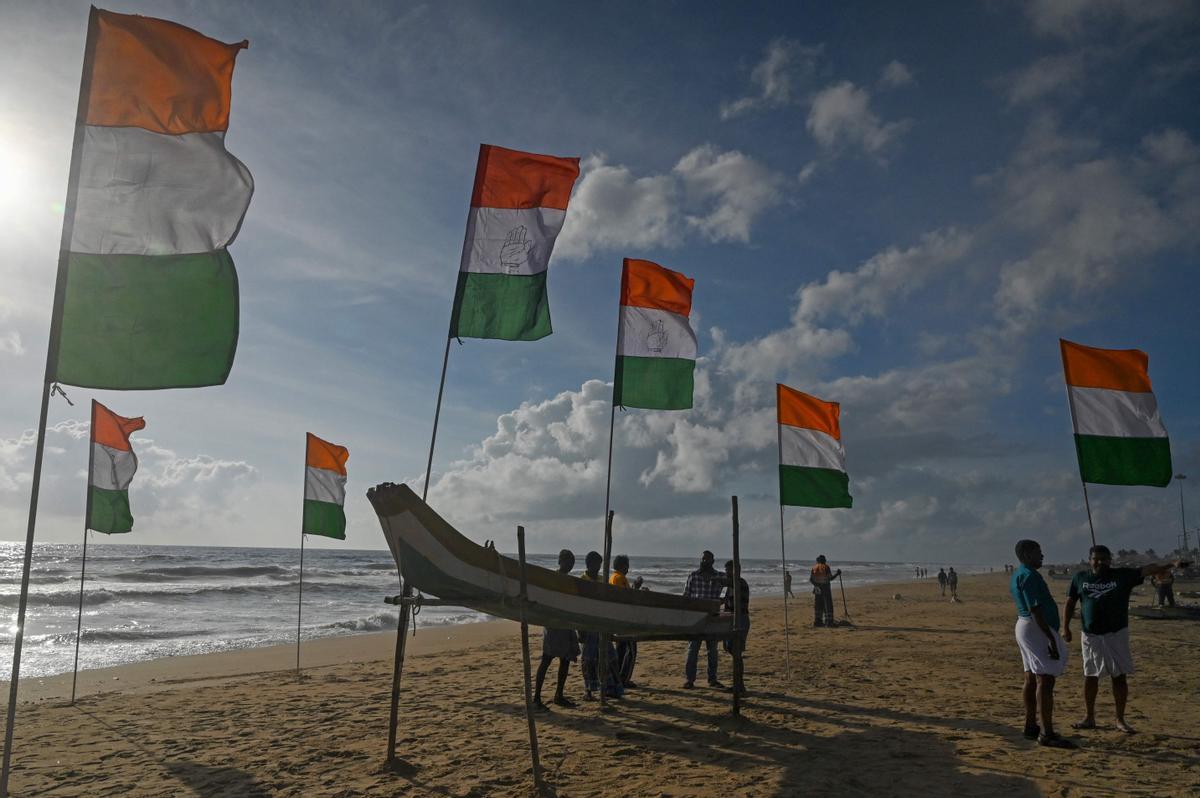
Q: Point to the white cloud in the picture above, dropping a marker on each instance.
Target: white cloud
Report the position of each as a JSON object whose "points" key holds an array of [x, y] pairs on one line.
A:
{"points": [[841, 117], [776, 78], [1046, 76], [1070, 18], [894, 75], [717, 194], [10, 343]]}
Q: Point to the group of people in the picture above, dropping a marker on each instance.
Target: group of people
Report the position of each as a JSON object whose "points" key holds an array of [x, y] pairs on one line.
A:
{"points": [[1102, 592], [948, 581], [567, 645]]}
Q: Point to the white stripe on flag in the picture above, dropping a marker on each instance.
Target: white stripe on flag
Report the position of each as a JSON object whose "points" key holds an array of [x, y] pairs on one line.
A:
{"points": [[112, 469], [510, 240], [649, 332], [323, 485], [143, 193], [810, 448], [1116, 414]]}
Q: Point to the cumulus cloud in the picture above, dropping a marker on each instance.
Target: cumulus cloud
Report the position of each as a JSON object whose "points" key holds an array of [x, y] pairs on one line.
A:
{"points": [[1071, 18], [1045, 77], [840, 117], [777, 78], [716, 194], [894, 75]]}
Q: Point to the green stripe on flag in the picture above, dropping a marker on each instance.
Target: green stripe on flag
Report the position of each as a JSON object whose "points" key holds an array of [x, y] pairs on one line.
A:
{"points": [[510, 307], [814, 487], [654, 383], [1124, 461], [139, 322], [324, 518], [109, 511]]}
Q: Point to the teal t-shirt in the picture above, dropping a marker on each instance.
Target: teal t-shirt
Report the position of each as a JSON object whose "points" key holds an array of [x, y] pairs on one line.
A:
{"points": [[1029, 590], [1104, 600]]}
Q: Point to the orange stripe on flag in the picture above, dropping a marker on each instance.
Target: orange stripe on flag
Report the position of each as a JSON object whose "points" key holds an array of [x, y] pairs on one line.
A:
{"points": [[648, 285], [158, 75], [326, 455], [1114, 369], [514, 179], [111, 430], [797, 409]]}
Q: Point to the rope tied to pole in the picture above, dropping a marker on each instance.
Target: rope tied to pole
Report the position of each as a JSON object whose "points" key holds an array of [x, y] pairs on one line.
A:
{"points": [[57, 389]]}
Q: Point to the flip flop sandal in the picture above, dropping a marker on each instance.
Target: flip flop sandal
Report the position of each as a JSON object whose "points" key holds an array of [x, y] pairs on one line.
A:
{"points": [[1083, 725]]}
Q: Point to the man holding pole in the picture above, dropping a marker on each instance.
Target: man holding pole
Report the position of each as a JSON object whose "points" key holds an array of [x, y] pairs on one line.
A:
{"points": [[822, 582], [1103, 593]]}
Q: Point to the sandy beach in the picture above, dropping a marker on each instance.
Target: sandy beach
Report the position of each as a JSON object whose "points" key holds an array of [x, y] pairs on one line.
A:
{"points": [[921, 697]]}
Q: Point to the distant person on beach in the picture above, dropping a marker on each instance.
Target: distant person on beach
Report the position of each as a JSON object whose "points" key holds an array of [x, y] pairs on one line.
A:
{"points": [[703, 583], [591, 644], [560, 644], [942, 580], [743, 616], [626, 649], [1164, 585], [1043, 653], [787, 584], [952, 582], [822, 581], [1103, 593]]}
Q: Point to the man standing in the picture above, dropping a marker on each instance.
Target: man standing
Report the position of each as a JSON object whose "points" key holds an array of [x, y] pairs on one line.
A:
{"points": [[952, 582], [1164, 584], [1104, 593], [560, 644], [626, 649], [787, 584], [822, 582], [1042, 652], [942, 578], [703, 583]]}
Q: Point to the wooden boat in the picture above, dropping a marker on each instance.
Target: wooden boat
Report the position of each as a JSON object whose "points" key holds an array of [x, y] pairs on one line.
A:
{"points": [[436, 559], [1166, 613]]}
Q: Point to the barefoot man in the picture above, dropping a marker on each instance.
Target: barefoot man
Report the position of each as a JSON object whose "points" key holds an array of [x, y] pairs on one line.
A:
{"points": [[1042, 653], [1103, 593]]}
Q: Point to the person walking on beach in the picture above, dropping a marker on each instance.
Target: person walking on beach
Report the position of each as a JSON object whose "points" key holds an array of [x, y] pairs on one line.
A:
{"points": [[1164, 585], [942, 580], [952, 583], [787, 584], [560, 644], [590, 642], [1103, 593], [739, 641], [703, 583], [1043, 654], [626, 649], [822, 582]]}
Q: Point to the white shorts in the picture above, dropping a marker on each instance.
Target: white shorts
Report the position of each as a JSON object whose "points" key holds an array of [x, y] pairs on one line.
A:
{"points": [[1035, 649], [1107, 655]]}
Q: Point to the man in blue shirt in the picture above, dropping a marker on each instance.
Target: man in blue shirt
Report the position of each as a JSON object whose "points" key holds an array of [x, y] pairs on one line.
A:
{"points": [[1043, 653]]}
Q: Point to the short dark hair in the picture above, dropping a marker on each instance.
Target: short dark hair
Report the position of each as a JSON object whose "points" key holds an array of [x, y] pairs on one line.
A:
{"points": [[820, 558], [1025, 547], [593, 556], [621, 561], [1100, 549]]}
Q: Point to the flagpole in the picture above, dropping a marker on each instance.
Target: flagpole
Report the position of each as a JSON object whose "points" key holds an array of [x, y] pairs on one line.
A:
{"points": [[60, 287], [1082, 481], [87, 517], [299, 600], [1088, 506], [787, 645], [437, 413], [612, 420]]}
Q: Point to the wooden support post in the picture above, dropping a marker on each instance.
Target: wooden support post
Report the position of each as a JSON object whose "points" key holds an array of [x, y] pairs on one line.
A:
{"points": [[523, 599], [605, 640], [736, 646], [397, 672]]}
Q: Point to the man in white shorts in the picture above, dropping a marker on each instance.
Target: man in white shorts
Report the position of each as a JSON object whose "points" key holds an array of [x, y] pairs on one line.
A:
{"points": [[1043, 654], [1103, 593]]}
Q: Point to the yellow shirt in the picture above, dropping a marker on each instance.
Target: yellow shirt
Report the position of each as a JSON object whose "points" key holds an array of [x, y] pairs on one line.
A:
{"points": [[618, 580]]}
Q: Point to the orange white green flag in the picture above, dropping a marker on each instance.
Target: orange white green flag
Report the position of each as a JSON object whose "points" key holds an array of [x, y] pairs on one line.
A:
{"points": [[113, 465], [325, 488], [656, 347], [1119, 435], [148, 295], [812, 461], [517, 211]]}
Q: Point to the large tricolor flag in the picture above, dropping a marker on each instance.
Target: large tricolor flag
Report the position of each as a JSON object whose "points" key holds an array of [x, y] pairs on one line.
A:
{"points": [[517, 211], [656, 348], [113, 464], [325, 488], [1119, 436], [812, 462], [148, 295]]}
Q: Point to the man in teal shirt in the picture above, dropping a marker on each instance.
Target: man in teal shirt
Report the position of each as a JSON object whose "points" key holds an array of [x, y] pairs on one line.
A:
{"points": [[1043, 654], [1103, 593]]}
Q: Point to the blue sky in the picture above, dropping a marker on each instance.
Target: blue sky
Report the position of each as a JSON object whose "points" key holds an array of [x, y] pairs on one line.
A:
{"points": [[900, 211]]}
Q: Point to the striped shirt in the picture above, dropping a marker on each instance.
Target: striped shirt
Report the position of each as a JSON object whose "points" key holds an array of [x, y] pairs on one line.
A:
{"points": [[704, 584]]}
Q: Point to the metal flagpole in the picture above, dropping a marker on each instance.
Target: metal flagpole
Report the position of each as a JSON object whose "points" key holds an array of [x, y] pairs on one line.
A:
{"points": [[87, 517], [60, 287], [1074, 429], [787, 645]]}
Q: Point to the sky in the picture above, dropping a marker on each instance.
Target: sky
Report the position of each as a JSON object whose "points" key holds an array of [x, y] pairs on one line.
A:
{"points": [[899, 210]]}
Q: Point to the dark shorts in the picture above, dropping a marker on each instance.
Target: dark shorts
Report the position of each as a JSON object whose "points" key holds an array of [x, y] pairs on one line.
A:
{"points": [[560, 643]]}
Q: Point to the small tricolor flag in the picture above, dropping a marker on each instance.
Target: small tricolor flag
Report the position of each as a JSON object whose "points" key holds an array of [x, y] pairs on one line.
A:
{"points": [[517, 211], [325, 488], [1119, 435], [812, 462], [656, 348], [113, 466], [148, 295]]}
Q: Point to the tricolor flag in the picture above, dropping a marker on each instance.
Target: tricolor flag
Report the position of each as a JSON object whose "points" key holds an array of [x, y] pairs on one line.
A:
{"points": [[148, 295], [325, 488], [517, 210], [1119, 436], [656, 348], [113, 464], [812, 462]]}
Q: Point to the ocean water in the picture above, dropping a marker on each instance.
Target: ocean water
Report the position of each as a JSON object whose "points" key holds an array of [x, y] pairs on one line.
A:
{"points": [[147, 602]]}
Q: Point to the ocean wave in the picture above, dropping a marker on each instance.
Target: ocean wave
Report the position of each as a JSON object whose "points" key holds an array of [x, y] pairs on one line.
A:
{"points": [[117, 636], [379, 622], [68, 598], [188, 571]]}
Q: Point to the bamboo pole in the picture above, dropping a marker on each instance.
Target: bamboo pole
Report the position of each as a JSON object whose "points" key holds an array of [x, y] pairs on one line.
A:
{"points": [[397, 672], [1082, 481], [787, 629], [736, 589], [1088, 506], [87, 517], [60, 287], [604, 641], [523, 600], [300, 599]]}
